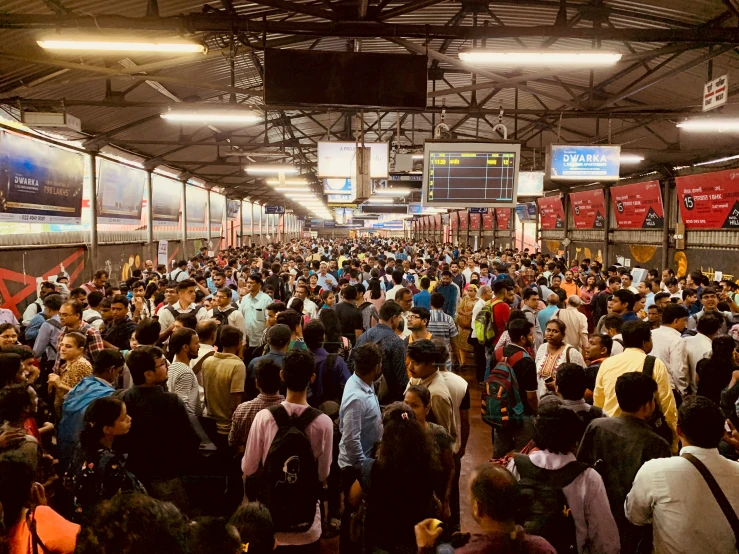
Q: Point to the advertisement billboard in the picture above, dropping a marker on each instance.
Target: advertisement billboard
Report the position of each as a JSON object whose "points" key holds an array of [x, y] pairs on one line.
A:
{"points": [[709, 200], [638, 206], [165, 194], [120, 193], [571, 162], [588, 209], [552, 212], [338, 159]]}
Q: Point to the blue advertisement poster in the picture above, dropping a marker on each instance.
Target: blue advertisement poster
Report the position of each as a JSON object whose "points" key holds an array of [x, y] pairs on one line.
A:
{"points": [[232, 209], [569, 162], [196, 200], [217, 206], [39, 183], [165, 199], [120, 193]]}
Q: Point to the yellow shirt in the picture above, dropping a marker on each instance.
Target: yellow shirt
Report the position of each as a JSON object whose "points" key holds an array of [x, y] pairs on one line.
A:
{"points": [[632, 359]]}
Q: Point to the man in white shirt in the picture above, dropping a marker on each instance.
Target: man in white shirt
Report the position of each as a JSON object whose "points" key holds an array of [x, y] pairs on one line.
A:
{"points": [[700, 346], [627, 282], [254, 309], [397, 277], [673, 496], [309, 307], [184, 305], [225, 313], [485, 295], [668, 346], [576, 333]]}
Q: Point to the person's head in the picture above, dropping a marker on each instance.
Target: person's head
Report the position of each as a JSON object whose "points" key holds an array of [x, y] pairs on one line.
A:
{"points": [[485, 293], [418, 399], [418, 318], [556, 281], [423, 356], [493, 490], [675, 316], [314, 334], [298, 370], [557, 429], [405, 452], [531, 298], [694, 279], [637, 334], [643, 288], [213, 534], [105, 418], [709, 324], [186, 292], [622, 301], [723, 350], [17, 403], [46, 287], [254, 284], [700, 422], [254, 523], [329, 298], [278, 337], [108, 364], [599, 346], [368, 361], [52, 303], [553, 300], [654, 316], [390, 313], [291, 318], [554, 332], [12, 370], [404, 298], [662, 299], [231, 339], [8, 334], [147, 366], [635, 392], [612, 324], [672, 285], [100, 279], [570, 381], [268, 376], [521, 332], [183, 344], [136, 524], [72, 346], [709, 299], [119, 308]]}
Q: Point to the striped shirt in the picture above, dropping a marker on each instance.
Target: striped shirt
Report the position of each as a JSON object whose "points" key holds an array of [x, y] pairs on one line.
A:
{"points": [[244, 416], [442, 326], [181, 380]]}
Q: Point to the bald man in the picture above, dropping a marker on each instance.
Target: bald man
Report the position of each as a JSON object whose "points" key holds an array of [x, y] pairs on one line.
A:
{"points": [[547, 313]]}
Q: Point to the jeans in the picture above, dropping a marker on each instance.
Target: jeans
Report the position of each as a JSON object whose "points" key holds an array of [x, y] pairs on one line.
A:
{"points": [[348, 476], [480, 360]]}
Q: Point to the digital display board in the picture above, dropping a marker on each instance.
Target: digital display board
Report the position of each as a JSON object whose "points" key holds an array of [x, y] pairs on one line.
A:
{"points": [[570, 162], [463, 174]]}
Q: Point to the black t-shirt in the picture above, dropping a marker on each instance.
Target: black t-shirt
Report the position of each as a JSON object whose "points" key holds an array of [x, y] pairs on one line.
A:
{"points": [[350, 318], [525, 370]]}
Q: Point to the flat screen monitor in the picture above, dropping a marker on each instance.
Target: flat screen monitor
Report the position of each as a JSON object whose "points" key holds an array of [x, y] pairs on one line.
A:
{"points": [[463, 174], [583, 162]]}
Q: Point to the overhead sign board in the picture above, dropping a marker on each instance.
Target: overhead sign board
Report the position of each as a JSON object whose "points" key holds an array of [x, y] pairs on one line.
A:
{"points": [[271, 210], [530, 183], [715, 93], [196, 200], [415, 208], [338, 159], [569, 162], [120, 193], [479, 210], [552, 212], [709, 200], [638, 206]]}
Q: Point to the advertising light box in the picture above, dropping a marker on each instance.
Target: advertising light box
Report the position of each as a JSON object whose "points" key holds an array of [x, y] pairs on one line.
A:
{"points": [[709, 200], [569, 162], [638, 206], [338, 159], [530, 183]]}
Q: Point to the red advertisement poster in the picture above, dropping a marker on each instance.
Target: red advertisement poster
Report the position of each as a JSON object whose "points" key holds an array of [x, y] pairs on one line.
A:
{"points": [[552, 212], [588, 209], [437, 222], [503, 219], [463, 221], [474, 222], [710, 200], [638, 206], [453, 221], [487, 221]]}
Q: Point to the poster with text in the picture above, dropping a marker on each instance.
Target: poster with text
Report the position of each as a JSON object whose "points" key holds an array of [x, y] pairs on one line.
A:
{"points": [[232, 209], [217, 206], [454, 221], [165, 194], [503, 219], [638, 206], [463, 220], [246, 216], [196, 200], [475, 222], [552, 213], [39, 183], [120, 193], [709, 200], [487, 221], [588, 209]]}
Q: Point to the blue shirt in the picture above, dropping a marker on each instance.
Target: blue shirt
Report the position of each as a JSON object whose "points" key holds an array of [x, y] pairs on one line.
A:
{"points": [[48, 338], [328, 282], [450, 293], [361, 422], [629, 316], [546, 314], [422, 299], [33, 328]]}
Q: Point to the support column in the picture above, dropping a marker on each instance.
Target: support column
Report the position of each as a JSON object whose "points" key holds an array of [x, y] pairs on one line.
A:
{"points": [[666, 200], [606, 225], [252, 222], [566, 205], [241, 224], [148, 194], [93, 195], [207, 218], [184, 220]]}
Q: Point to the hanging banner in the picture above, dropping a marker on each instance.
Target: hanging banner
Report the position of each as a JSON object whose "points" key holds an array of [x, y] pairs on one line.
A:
{"points": [[120, 193], [474, 222], [39, 183], [552, 212], [196, 199], [463, 220], [217, 206], [638, 206], [454, 221], [487, 220], [588, 209], [503, 219], [437, 220], [165, 199], [232, 209], [162, 253], [709, 200]]}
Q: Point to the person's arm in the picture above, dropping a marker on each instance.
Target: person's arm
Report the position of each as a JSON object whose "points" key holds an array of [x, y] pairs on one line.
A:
{"points": [[237, 386], [255, 444], [680, 368], [42, 340], [351, 432], [666, 400], [240, 323], [444, 413], [464, 422], [599, 393], [446, 457], [639, 501]]}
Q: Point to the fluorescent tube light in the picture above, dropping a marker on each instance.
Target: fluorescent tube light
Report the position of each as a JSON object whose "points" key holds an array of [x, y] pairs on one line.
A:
{"points": [[376, 200], [631, 159], [124, 46], [276, 182], [545, 58], [270, 169], [721, 125], [417, 156], [718, 161], [220, 116], [393, 191]]}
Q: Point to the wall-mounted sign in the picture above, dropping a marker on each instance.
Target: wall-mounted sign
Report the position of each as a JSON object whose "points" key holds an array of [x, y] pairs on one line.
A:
{"points": [[588, 209], [709, 200], [638, 206], [463, 220], [552, 212], [474, 221], [568, 162], [120, 193], [454, 221], [165, 200], [196, 200], [232, 209], [274, 210], [415, 208], [338, 159], [217, 207], [479, 210], [503, 219], [487, 220], [530, 183], [715, 93]]}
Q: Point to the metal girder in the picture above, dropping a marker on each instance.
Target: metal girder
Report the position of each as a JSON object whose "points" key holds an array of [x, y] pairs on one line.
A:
{"points": [[57, 7], [198, 22], [407, 8], [295, 7]]}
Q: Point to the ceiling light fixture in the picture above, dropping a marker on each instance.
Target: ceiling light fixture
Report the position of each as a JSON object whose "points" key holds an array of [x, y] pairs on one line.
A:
{"points": [[271, 169], [709, 125], [417, 156], [718, 161], [218, 115], [379, 200], [545, 58], [276, 182], [393, 191], [155, 47], [631, 159]]}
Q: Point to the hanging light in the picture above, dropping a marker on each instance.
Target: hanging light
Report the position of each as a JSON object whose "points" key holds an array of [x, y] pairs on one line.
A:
{"points": [[630, 159], [100, 45], [711, 125], [218, 115], [271, 169], [539, 58]]}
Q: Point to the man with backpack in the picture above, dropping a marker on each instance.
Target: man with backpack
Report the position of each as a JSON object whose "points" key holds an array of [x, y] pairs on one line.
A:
{"points": [[45, 345], [184, 305], [225, 313], [561, 499], [511, 369], [37, 306], [288, 457], [491, 320]]}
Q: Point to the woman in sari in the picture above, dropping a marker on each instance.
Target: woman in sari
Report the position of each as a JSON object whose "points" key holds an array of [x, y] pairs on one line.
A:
{"points": [[464, 323]]}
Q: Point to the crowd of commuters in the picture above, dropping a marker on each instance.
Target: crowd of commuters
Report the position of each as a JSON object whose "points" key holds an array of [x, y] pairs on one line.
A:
{"points": [[276, 397]]}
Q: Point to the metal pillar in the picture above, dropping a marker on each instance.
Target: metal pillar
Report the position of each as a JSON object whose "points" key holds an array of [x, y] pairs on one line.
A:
{"points": [[184, 220], [241, 224], [252, 223], [207, 219], [666, 200], [606, 225], [148, 194], [93, 195], [566, 205]]}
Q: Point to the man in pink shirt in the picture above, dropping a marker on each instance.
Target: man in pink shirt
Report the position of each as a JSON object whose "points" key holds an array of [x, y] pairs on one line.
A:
{"points": [[297, 374]]}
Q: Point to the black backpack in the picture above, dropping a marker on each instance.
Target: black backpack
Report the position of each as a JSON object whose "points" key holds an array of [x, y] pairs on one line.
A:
{"points": [[222, 316], [175, 313], [543, 508], [656, 421], [290, 485]]}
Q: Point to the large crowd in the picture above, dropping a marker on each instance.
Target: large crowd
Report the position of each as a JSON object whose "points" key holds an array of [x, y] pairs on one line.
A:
{"points": [[277, 397]]}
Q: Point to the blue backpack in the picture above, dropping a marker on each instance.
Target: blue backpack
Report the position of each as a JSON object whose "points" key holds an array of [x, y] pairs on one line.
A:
{"points": [[501, 399]]}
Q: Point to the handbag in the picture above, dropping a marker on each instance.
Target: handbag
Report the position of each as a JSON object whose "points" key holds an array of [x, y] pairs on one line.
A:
{"points": [[656, 422]]}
